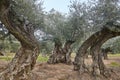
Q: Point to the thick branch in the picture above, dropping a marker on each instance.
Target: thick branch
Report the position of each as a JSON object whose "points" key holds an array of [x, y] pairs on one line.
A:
{"points": [[23, 31]]}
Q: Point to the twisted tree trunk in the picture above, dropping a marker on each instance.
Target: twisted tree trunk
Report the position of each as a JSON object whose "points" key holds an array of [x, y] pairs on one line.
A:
{"points": [[96, 54], [95, 42], [79, 64], [21, 65], [67, 50], [98, 65], [57, 55], [61, 55]]}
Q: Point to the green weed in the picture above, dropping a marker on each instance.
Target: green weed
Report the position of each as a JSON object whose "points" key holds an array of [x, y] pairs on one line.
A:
{"points": [[6, 58], [115, 64], [114, 55], [42, 58]]}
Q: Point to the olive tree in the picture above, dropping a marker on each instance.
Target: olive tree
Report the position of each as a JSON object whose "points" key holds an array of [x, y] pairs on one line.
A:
{"points": [[64, 30], [104, 17], [19, 25]]}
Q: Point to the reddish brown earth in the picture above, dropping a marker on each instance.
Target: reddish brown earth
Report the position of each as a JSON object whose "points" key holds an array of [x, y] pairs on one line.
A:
{"points": [[44, 71]]}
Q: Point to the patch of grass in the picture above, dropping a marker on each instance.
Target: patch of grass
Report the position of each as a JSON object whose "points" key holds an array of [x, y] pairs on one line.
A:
{"points": [[6, 58], [114, 64], [39, 59], [42, 58], [114, 55]]}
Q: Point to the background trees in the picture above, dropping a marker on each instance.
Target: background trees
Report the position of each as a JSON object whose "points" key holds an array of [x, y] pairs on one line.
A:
{"points": [[69, 30]]}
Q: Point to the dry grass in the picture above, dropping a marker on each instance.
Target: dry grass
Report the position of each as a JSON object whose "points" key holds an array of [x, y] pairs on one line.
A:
{"points": [[44, 71]]}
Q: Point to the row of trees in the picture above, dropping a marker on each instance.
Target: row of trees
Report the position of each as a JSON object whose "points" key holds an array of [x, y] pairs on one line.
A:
{"points": [[87, 26]]}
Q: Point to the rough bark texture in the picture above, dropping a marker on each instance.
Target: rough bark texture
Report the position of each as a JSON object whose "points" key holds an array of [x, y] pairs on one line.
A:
{"points": [[81, 54], [98, 65], [57, 56], [61, 55], [95, 51], [21, 65], [67, 50], [95, 42], [23, 62]]}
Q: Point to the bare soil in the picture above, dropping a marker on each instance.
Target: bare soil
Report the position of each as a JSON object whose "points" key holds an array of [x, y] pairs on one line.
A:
{"points": [[44, 71]]}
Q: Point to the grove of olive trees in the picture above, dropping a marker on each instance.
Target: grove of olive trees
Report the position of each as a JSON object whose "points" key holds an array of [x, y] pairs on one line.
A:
{"points": [[85, 28]]}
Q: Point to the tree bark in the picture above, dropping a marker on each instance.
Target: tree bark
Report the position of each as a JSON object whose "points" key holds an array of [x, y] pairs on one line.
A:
{"points": [[61, 55], [98, 65], [21, 65], [79, 64], [95, 51], [67, 50], [57, 55], [96, 41]]}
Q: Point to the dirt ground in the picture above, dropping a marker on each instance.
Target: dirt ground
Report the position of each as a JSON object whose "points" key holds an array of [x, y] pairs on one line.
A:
{"points": [[44, 71]]}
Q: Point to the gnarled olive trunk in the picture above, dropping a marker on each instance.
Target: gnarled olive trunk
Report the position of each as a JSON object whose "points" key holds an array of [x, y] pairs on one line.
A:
{"points": [[98, 65], [61, 55], [95, 42], [57, 55], [21, 65], [96, 53], [67, 50], [79, 64]]}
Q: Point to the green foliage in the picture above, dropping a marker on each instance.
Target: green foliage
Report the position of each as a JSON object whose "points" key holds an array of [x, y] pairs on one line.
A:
{"points": [[63, 27], [103, 11], [5, 58], [77, 23], [114, 55], [30, 10], [46, 47], [39, 59], [114, 64], [55, 23], [8, 45], [82, 21], [14, 47], [42, 58], [114, 44]]}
